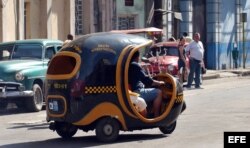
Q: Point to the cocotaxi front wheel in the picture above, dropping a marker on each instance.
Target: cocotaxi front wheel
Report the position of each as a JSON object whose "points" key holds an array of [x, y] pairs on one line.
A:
{"points": [[168, 129]]}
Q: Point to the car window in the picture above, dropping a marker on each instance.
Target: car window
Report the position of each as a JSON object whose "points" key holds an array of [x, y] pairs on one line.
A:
{"points": [[4, 55], [27, 51], [170, 51], [161, 51], [49, 53], [152, 51], [5, 52], [58, 48]]}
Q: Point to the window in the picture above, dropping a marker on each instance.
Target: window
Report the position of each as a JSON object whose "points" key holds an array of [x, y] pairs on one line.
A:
{"points": [[129, 2], [173, 51], [5, 52], [126, 22], [58, 48], [27, 51], [4, 55], [27, 13], [68, 62], [78, 17], [49, 53], [169, 51]]}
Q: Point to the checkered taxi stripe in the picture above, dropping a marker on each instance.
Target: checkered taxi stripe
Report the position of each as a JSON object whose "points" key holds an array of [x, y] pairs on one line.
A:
{"points": [[179, 99], [100, 89]]}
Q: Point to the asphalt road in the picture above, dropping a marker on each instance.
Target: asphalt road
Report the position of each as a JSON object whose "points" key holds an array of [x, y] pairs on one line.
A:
{"points": [[222, 105]]}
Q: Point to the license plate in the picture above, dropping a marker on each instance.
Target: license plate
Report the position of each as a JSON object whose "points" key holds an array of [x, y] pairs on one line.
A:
{"points": [[53, 106]]}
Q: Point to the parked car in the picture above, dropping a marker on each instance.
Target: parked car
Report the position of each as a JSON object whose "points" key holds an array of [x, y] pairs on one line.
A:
{"points": [[163, 57], [23, 66]]}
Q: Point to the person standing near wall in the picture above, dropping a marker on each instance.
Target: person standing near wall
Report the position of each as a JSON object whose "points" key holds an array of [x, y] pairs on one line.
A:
{"points": [[196, 54]]}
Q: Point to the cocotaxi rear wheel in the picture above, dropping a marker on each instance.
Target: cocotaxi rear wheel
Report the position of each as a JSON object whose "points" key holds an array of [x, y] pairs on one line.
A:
{"points": [[107, 129], [65, 130]]}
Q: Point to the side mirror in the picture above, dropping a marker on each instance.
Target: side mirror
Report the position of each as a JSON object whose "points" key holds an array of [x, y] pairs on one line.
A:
{"points": [[144, 59]]}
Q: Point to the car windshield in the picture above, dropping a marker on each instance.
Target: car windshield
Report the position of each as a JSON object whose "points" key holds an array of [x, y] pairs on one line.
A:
{"points": [[169, 51], [27, 52]]}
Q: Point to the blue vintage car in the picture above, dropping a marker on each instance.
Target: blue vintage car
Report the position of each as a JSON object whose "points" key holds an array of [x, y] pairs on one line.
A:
{"points": [[23, 66]]}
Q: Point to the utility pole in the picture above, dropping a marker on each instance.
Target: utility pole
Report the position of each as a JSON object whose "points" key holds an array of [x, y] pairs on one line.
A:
{"points": [[158, 20], [244, 54], [158, 15]]}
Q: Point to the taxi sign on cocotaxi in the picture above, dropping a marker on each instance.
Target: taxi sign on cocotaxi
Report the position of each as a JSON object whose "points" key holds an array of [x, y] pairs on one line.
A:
{"points": [[87, 89]]}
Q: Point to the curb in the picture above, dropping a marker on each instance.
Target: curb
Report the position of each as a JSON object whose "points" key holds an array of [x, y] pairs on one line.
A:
{"points": [[211, 76], [222, 74], [241, 73]]}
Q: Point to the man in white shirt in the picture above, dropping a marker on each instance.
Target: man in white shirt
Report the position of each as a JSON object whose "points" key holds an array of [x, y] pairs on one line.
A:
{"points": [[196, 53]]}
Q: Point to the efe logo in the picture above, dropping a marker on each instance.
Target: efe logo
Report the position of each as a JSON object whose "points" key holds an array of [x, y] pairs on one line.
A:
{"points": [[237, 139]]}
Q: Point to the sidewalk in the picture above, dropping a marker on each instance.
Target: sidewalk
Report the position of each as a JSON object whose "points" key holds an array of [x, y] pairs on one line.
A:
{"points": [[213, 74]]}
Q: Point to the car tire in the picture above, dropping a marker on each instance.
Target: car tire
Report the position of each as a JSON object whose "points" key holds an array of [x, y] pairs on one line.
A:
{"points": [[107, 129], [35, 103]]}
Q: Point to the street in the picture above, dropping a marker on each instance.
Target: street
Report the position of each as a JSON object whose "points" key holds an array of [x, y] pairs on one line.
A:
{"points": [[221, 105]]}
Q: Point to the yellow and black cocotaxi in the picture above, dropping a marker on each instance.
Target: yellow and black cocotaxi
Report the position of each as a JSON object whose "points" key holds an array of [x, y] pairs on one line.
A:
{"points": [[87, 89]]}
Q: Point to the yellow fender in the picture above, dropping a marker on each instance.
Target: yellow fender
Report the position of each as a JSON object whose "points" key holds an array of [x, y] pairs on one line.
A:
{"points": [[102, 110]]}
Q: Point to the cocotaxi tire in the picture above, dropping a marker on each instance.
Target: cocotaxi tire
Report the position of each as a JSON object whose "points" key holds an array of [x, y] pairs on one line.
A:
{"points": [[107, 129], [65, 130], [168, 129]]}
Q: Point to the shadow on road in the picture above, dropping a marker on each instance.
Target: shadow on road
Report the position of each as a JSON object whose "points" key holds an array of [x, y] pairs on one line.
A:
{"points": [[13, 109], [31, 126], [87, 141]]}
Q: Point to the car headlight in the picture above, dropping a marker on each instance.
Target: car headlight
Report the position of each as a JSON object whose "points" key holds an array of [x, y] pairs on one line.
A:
{"points": [[19, 76], [170, 67]]}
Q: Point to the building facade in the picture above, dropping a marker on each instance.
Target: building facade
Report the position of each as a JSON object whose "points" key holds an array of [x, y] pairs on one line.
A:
{"points": [[222, 29], [130, 14], [54, 19], [94, 16], [226, 31], [26, 19], [222, 24]]}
